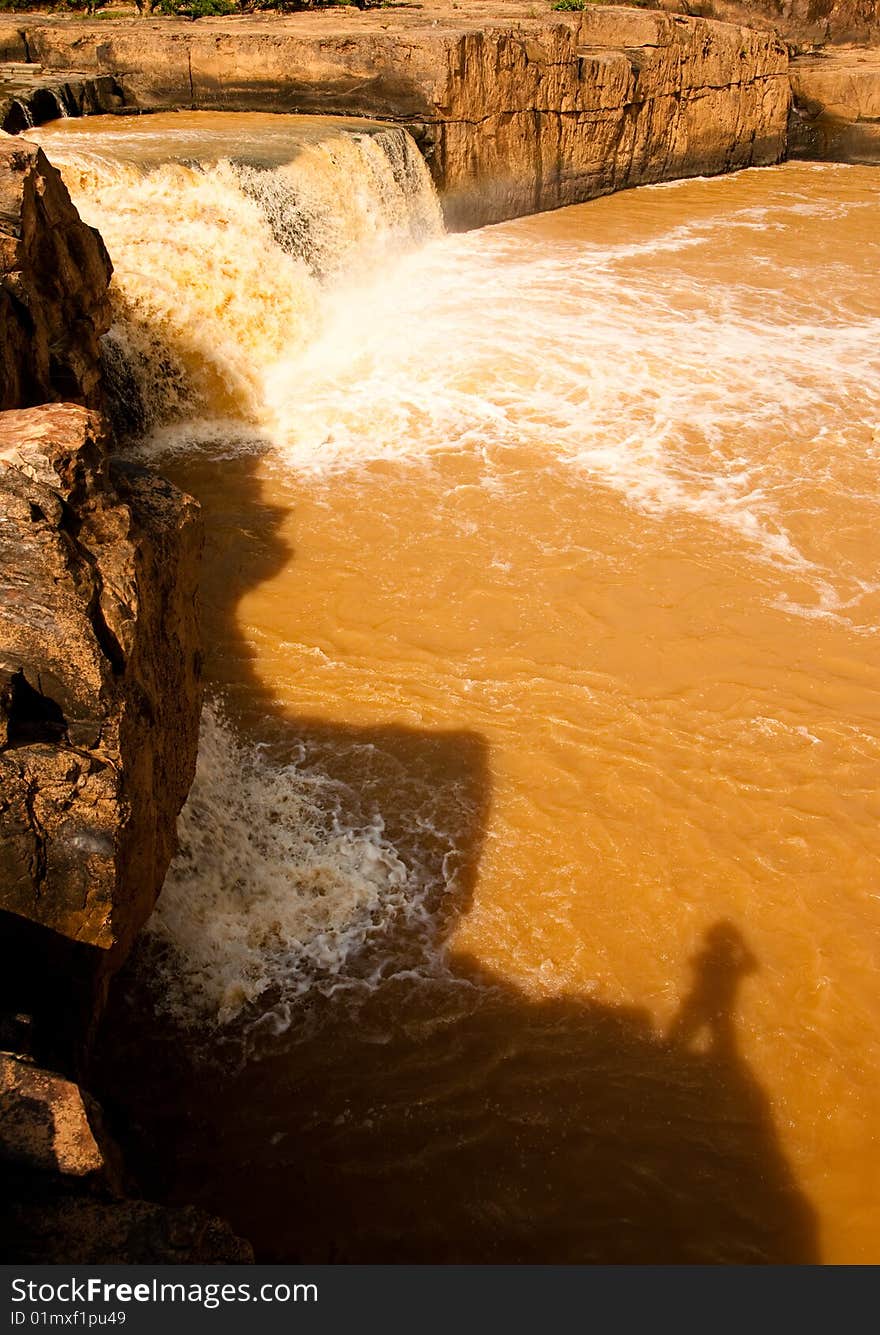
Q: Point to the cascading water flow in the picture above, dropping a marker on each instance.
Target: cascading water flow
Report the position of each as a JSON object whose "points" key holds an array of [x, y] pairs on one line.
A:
{"points": [[223, 245], [540, 601], [225, 241]]}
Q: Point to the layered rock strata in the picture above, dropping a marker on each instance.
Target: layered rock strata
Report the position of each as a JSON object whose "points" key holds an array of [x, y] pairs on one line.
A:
{"points": [[803, 23], [518, 108], [681, 98], [31, 96]]}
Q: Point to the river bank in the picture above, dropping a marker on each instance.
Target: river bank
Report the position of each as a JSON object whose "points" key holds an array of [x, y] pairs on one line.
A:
{"points": [[516, 111], [524, 109]]}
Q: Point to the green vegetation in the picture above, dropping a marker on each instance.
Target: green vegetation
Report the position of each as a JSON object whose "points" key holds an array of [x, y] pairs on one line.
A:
{"points": [[197, 9], [570, 5]]}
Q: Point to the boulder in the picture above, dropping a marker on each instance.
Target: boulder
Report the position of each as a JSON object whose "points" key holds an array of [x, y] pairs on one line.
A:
{"points": [[48, 1125]]}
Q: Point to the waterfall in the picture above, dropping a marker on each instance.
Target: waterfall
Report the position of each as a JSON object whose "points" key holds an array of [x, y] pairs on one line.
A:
{"points": [[221, 258], [231, 239]]}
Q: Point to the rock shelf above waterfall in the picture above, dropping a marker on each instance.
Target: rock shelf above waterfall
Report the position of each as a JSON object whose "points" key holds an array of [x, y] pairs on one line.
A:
{"points": [[516, 107]]}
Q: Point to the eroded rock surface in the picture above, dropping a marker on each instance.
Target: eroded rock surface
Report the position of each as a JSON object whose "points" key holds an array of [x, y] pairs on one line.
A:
{"points": [[801, 22], [836, 114], [54, 273], [517, 107], [618, 98], [30, 96], [99, 689]]}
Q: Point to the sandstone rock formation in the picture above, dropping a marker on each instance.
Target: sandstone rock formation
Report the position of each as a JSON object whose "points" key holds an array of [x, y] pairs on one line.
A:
{"points": [[801, 22], [836, 115], [617, 99], [99, 699], [54, 273], [517, 107], [29, 96]]}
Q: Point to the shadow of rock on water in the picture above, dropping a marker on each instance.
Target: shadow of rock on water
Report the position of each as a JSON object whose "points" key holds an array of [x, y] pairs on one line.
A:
{"points": [[481, 1125], [448, 1117]]}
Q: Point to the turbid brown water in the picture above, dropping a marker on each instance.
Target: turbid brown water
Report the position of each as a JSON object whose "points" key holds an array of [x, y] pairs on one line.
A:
{"points": [[529, 888]]}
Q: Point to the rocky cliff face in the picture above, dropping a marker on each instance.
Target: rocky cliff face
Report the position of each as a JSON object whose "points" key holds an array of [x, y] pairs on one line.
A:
{"points": [[801, 22], [54, 273], [517, 107], [98, 674], [99, 708], [99, 690], [99, 659], [28, 96], [616, 99], [836, 112]]}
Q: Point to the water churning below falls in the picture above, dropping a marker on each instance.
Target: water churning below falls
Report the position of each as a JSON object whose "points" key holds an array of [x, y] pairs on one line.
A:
{"points": [[528, 895]]}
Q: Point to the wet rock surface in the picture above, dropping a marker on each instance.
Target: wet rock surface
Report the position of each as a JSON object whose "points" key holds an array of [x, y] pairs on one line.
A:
{"points": [[30, 95]]}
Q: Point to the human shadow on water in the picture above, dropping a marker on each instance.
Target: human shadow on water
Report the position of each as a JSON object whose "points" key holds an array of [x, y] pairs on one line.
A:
{"points": [[426, 1114], [709, 1007]]}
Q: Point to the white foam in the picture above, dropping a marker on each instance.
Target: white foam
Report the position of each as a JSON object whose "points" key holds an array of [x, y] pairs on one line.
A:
{"points": [[273, 890], [218, 268], [680, 395], [684, 399]]}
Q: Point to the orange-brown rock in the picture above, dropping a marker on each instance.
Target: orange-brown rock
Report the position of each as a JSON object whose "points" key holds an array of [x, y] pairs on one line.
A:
{"points": [[518, 107], [801, 22], [64, 1183], [49, 1126], [836, 113], [616, 99], [99, 697], [54, 272]]}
